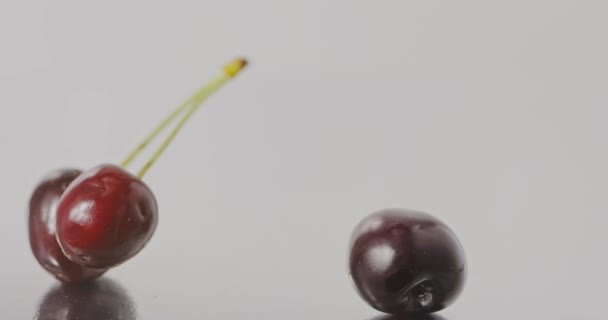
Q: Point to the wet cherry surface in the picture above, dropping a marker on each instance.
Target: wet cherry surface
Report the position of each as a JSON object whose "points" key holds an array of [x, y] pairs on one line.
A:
{"points": [[105, 217], [406, 261], [42, 214]]}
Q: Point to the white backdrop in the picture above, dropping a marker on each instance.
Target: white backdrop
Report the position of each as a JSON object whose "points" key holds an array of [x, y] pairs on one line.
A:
{"points": [[490, 115]]}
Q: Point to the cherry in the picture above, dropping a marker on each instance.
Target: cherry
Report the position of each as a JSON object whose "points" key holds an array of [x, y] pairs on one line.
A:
{"points": [[404, 261], [42, 216], [98, 300], [105, 217]]}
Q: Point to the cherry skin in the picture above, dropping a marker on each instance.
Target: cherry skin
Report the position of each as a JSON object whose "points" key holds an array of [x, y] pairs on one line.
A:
{"points": [[42, 215], [105, 217], [404, 261]]}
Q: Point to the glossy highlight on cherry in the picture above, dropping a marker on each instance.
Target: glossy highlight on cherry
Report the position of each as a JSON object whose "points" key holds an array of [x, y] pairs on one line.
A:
{"points": [[404, 261]]}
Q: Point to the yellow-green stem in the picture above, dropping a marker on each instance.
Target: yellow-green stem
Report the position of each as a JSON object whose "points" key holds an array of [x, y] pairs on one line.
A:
{"points": [[161, 127], [196, 101]]}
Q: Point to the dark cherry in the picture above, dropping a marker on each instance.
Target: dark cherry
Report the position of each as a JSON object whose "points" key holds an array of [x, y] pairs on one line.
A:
{"points": [[105, 217], [42, 215], [404, 261], [98, 300]]}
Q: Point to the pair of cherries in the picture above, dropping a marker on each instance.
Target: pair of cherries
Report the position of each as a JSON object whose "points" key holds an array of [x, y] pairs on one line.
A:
{"points": [[83, 223]]}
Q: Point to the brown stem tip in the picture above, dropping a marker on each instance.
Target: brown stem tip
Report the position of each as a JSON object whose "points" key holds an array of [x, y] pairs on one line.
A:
{"points": [[234, 67]]}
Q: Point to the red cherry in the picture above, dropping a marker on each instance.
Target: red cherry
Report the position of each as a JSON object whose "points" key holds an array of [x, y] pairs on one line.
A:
{"points": [[105, 217], [42, 216], [405, 261]]}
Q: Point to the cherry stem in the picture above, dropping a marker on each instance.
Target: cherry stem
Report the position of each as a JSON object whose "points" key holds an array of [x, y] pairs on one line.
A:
{"points": [[194, 102], [157, 131]]}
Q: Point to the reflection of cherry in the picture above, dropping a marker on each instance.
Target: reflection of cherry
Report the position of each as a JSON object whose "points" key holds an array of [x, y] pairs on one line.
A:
{"points": [[404, 261], [42, 215], [105, 217], [414, 316], [98, 300]]}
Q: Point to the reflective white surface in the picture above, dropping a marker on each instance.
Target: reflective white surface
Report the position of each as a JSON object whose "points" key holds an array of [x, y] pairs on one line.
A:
{"points": [[490, 115]]}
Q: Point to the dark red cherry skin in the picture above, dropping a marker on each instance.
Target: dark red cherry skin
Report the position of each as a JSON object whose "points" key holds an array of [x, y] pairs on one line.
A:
{"points": [[105, 217], [404, 261], [42, 215]]}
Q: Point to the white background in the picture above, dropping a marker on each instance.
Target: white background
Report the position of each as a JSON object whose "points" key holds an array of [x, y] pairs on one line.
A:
{"points": [[490, 115]]}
